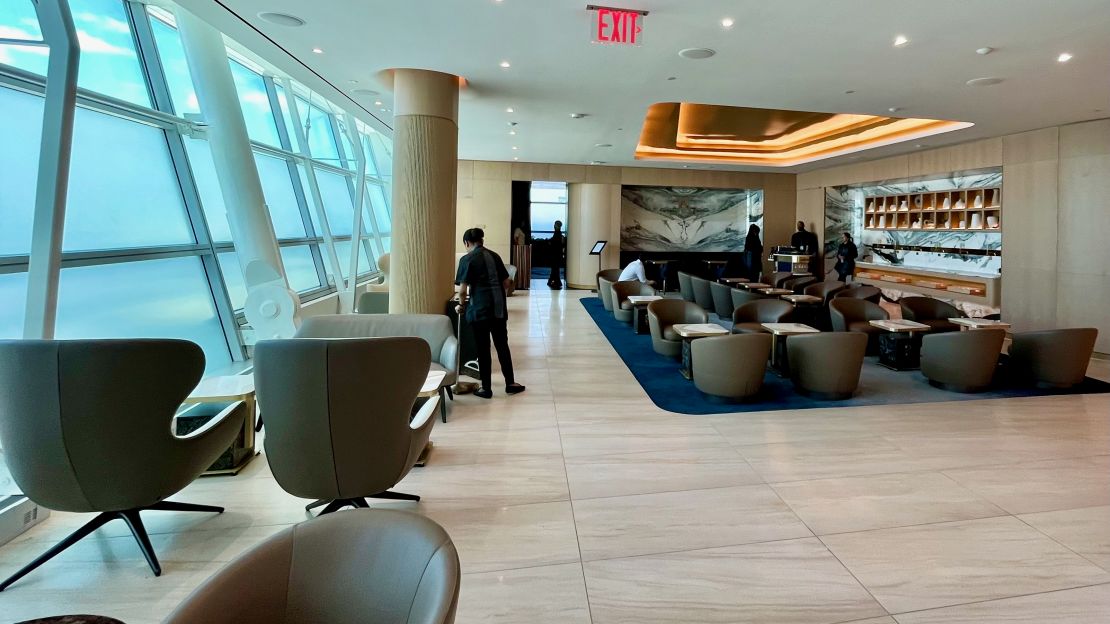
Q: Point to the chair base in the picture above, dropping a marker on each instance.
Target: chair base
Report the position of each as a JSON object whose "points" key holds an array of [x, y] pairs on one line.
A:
{"points": [[824, 396], [131, 517], [957, 387], [359, 502]]}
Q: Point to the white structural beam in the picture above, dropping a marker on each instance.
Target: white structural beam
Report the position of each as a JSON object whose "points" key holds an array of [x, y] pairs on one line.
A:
{"points": [[52, 186], [271, 308], [347, 296]]}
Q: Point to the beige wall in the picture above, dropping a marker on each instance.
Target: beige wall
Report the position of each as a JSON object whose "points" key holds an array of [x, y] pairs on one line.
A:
{"points": [[593, 212], [1056, 201], [485, 198]]}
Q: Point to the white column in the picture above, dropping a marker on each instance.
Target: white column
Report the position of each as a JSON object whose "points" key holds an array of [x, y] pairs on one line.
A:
{"points": [[271, 307], [593, 214], [52, 187]]}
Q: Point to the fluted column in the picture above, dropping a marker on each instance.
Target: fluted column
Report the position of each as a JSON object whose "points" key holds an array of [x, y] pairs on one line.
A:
{"points": [[593, 214], [425, 169]]}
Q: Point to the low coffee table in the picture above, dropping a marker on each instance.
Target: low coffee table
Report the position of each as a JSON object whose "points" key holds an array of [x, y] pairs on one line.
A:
{"points": [[775, 292], [967, 324], [639, 311], [899, 348], [228, 389], [754, 285], [779, 333], [689, 333], [734, 281], [427, 391]]}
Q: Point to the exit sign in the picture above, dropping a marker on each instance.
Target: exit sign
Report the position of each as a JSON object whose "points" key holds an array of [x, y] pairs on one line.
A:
{"points": [[620, 26]]}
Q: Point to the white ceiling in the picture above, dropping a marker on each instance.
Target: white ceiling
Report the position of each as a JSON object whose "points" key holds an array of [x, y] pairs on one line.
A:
{"points": [[790, 54]]}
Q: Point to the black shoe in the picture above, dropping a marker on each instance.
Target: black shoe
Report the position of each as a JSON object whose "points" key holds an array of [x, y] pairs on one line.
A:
{"points": [[514, 388], [484, 393]]}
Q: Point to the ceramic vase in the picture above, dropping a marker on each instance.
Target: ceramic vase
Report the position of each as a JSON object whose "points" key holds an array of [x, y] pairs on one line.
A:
{"points": [[992, 222], [976, 221], [882, 221], [960, 204], [904, 207], [978, 203], [947, 203]]}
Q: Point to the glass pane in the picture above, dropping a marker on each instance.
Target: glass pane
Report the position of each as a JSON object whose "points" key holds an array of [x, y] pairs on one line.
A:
{"points": [[208, 187], [175, 67], [385, 243], [337, 202], [109, 64], [348, 147], [376, 199], [371, 166], [256, 104], [233, 278], [280, 198], [13, 292], [20, 127], [544, 217], [549, 192], [287, 118], [343, 249], [167, 298], [299, 268], [382, 147], [321, 140], [308, 198], [123, 187]]}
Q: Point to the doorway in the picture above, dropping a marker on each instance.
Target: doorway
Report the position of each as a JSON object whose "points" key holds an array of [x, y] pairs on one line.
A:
{"points": [[536, 207]]}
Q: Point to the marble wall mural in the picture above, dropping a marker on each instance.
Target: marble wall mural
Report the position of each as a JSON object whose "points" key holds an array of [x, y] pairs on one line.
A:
{"points": [[682, 219], [844, 207]]}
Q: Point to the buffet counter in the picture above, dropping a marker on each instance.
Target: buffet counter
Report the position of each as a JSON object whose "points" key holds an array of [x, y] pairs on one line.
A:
{"points": [[983, 289]]}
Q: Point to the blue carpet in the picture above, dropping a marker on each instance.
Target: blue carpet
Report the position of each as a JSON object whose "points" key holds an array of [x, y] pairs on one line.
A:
{"points": [[660, 378]]}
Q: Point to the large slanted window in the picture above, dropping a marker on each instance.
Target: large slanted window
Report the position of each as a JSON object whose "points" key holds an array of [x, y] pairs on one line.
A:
{"points": [[548, 205]]}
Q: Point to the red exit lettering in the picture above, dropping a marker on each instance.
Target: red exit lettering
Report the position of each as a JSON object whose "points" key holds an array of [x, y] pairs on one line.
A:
{"points": [[617, 26]]}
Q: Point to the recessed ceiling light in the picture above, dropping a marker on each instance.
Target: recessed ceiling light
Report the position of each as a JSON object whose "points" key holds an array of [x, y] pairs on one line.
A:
{"points": [[597, 162], [509, 109], [384, 110], [727, 23], [696, 53], [514, 147], [512, 132], [366, 93], [577, 115], [281, 19], [317, 50], [505, 65], [603, 145], [516, 158], [849, 92], [984, 51], [983, 82], [894, 109], [378, 103], [900, 41], [1064, 57], [672, 77], [352, 82]]}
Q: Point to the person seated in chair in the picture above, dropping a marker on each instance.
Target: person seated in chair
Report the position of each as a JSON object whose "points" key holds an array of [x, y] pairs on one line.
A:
{"points": [[634, 271]]}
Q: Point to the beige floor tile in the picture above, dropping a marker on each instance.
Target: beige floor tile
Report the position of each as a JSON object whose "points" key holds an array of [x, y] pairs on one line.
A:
{"points": [[818, 459], [659, 471], [1086, 531], [505, 538], [882, 501], [670, 521], [923, 567], [471, 486], [796, 582], [746, 429], [543, 595], [1087, 605], [1041, 486], [496, 446], [609, 439], [499, 416], [1001, 445]]}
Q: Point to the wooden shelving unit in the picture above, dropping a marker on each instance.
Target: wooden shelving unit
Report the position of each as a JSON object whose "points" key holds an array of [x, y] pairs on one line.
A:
{"points": [[976, 209]]}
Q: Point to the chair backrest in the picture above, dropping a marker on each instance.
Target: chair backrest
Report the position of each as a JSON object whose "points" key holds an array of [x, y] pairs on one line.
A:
{"points": [[611, 275], [763, 311], [825, 290], [927, 309], [798, 283], [844, 311], [685, 286], [778, 277], [670, 311], [373, 302], [741, 296], [434, 329], [702, 295], [868, 293], [828, 363], [337, 411], [605, 291], [722, 299], [85, 424], [623, 290], [1055, 357], [357, 566]]}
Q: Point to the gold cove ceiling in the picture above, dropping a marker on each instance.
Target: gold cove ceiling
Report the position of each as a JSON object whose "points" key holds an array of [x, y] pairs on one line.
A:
{"points": [[682, 131]]}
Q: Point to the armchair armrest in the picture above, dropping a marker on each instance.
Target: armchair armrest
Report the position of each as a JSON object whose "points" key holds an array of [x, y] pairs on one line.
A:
{"points": [[449, 354], [204, 445], [421, 427]]}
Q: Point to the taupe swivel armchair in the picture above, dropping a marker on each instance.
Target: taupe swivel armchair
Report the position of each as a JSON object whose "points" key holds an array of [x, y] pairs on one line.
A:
{"points": [[722, 299], [702, 295], [825, 290], [867, 293], [362, 567], [685, 286], [777, 278], [434, 329], [604, 280], [827, 365], [932, 312], [849, 314], [749, 318], [338, 415], [1055, 358], [799, 283], [741, 296], [373, 302], [622, 307], [663, 314], [85, 426], [961, 361], [731, 366]]}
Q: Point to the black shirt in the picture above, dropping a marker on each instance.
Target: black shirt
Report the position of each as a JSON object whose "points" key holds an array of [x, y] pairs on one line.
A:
{"points": [[484, 271], [806, 239]]}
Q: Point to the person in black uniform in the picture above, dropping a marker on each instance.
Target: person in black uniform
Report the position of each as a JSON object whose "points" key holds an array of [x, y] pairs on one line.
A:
{"points": [[753, 253], [846, 255], [482, 281], [558, 249], [804, 240]]}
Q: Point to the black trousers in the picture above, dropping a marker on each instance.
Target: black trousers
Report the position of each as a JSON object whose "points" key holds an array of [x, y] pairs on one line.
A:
{"points": [[498, 331]]}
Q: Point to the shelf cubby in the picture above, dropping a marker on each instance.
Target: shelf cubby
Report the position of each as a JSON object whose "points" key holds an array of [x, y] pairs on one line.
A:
{"points": [[974, 209]]}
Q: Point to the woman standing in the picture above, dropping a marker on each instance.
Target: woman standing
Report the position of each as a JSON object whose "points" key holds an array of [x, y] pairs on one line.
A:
{"points": [[846, 257], [753, 253]]}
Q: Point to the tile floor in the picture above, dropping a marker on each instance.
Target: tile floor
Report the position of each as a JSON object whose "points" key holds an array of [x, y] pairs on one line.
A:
{"points": [[580, 501]]}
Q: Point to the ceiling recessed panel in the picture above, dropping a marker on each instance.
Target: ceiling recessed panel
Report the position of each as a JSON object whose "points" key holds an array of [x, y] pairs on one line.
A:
{"points": [[682, 131]]}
